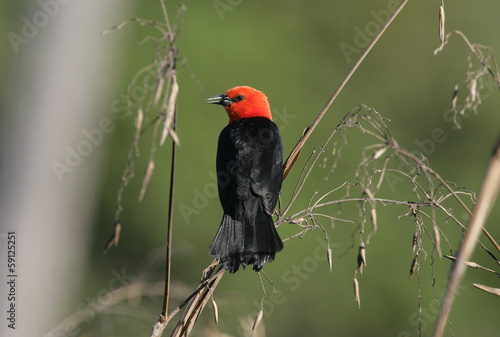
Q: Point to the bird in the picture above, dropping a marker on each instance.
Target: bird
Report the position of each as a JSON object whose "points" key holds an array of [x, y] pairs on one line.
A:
{"points": [[249, 167]]}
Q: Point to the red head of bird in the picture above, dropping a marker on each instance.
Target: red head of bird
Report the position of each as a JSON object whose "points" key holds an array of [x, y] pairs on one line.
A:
{"points": [[243, 102]]}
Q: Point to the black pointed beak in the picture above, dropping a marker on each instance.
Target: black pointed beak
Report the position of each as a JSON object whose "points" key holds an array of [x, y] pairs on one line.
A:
{"points": [[220, 99]]}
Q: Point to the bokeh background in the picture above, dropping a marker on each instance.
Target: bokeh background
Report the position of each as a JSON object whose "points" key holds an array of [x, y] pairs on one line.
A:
{"points": [[62, 79]]}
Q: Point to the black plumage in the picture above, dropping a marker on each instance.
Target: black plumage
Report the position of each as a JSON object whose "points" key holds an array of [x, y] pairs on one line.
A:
{"points": [[249, 174]]}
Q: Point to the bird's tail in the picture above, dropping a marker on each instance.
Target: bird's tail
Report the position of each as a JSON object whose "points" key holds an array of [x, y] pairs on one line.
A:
{"points": [[253, 240]]}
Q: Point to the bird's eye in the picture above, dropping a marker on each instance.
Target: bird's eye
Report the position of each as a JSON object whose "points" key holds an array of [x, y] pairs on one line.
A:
{"points": [[239, 98]]}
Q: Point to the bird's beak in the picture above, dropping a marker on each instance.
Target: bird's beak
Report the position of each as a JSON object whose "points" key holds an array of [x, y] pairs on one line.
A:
{"points": [[220, 99]]}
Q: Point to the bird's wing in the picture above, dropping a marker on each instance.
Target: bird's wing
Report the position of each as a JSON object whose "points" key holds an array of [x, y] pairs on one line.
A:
{"points": [[227, 170], [266, 173], [249, 163]]}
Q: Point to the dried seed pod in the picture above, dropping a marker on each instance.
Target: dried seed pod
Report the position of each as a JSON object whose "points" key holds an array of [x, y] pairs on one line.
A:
{"points": [[414, 265], [379, 152], [114, 238], [329, 256], [373, 216], [139, 117], [216, 311], [437, 240], [473, 89], [299, 221], [494, 291], [454, 98], [472, 264], [170, 111], [159, 90], [416, 238], [361, 257], [145, 179], [467, 263], [116, 235], [257, 319], [356, 292], [441, 23]]}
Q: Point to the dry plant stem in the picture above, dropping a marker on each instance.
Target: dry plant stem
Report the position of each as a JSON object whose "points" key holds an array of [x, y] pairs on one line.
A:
{"points": [[168, 71], [295, 152], [430, 196], [494, 72], [162, 100], [165, 65], [430, 171], [169, 228], [197, 303], [474, 265], [165, 16], [194, 302], [141, 22], [304, 175], [486, 199], [494, 291]]}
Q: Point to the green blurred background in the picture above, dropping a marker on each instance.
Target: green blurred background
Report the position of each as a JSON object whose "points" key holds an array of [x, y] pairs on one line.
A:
{"points": [[292, 52]]}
